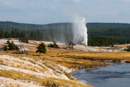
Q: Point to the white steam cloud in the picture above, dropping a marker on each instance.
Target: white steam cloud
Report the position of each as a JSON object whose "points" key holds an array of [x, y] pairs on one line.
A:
{"points": [[80, 31]]}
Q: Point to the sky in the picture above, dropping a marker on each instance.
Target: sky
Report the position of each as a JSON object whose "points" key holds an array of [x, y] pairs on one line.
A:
{"points": [[55, 11]]}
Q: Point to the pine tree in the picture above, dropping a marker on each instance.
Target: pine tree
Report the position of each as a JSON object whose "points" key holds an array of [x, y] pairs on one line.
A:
{"points": [[26, 40], [41, 48], [12, 46], [53, 45]]}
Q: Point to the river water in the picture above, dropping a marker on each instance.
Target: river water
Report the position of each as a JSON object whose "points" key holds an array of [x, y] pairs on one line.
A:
{"points": [[113, 75]]}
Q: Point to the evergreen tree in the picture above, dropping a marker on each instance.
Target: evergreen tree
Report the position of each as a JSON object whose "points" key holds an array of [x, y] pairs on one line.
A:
{"points": [[8, 42], [41, 48], [26, 40], [54, 45], [12, 46]]}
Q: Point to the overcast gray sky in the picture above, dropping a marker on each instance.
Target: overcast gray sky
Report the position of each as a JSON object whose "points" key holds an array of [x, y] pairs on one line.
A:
{"points": [[53, 11]]}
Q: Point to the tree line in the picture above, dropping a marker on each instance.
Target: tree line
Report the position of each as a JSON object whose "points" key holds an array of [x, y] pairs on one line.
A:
{"points": [[99, 34], [22, 35], [97, 40]]}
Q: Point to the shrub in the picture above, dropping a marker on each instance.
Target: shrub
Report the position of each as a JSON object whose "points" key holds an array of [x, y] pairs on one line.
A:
{"points": [[5, 48], [128, 48], [41, 48], [53, 45], [71, 45], [12, 46]]}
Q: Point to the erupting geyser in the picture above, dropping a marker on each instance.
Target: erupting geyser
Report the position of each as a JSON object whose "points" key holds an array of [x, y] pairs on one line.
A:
{"points": [[75, 32], [80, 31]]}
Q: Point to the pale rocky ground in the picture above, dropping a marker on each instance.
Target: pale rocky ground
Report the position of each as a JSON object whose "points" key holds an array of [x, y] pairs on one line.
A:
{"points": [[98, 49], [39, 69], [28, 65], [33, 44], [7, 82]]}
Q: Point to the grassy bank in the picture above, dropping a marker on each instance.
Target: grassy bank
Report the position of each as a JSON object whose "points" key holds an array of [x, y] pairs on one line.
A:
{"points": [[41, 81]]}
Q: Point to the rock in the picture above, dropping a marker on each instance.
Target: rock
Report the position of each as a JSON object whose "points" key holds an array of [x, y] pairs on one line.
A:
{"points": [[54, 85], [42, 59]]}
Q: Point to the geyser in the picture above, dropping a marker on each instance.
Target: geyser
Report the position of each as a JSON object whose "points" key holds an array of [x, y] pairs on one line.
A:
{"points": [[75, 32], [80, 31]]}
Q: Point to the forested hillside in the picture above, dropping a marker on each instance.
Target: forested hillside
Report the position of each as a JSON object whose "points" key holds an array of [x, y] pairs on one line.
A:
{"points": [[108, 33], [22, 26], [100, 34]]}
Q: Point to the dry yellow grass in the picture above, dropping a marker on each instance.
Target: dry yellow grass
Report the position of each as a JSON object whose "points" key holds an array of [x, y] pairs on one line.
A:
{"points": [[21, 65], [98, 56], [15, 75], [68, 58], [63, 83], [42, 81], [74, 59]]}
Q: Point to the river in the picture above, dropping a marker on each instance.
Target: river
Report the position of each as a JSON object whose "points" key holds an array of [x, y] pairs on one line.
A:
{"points": [[113, 75]]}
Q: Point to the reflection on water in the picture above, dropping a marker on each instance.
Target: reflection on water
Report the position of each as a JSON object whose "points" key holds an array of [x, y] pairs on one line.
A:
{"points": [[114, 75]]}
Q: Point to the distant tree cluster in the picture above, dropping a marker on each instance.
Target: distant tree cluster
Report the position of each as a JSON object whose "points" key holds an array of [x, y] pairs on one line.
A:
{"points": [[22, 35], [101, 41], [103, 35], [14, 33], [23, 40]]}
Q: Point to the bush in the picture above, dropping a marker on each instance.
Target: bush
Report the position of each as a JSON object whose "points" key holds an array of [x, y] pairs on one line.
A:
{"points": [[41, 48], [53, 45], [71, 45], [128, 48], [12, 46], [5, 48]]}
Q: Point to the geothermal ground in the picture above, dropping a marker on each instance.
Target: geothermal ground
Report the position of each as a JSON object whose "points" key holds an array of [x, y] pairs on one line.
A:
{"points": [[54, 67]]}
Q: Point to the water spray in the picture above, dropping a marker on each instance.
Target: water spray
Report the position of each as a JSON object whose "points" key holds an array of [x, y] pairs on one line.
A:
{"points": [[80, 35]]}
